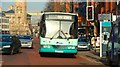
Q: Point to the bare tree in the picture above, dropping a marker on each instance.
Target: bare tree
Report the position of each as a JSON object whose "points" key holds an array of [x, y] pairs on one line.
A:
{"points": [[50, 7]]}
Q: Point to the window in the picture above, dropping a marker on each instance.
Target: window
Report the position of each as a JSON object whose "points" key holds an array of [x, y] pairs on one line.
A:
{"points": [[5, 26]]}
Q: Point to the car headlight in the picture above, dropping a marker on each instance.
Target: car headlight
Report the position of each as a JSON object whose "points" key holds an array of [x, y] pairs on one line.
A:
{"points": [[7, 46], [29, 42]]}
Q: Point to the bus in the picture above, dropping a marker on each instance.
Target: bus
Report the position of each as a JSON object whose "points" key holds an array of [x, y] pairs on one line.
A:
{"points": [[113, 46], [58, 33]]}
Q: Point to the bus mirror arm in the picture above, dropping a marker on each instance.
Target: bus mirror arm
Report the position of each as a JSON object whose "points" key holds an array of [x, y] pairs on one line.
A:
{"points": [[68, 39], [51, 38]]}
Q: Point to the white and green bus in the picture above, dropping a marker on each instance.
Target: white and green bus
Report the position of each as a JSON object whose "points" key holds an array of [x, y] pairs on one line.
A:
{"points": [[58, 33]]}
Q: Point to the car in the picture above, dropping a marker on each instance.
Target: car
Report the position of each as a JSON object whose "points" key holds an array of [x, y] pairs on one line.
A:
{"points": [[83, 43], [9, 44], [26, 41], [95, 43]]}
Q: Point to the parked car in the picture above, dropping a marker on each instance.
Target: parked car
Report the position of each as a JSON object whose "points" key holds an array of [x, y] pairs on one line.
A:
{"points": [[26, 41], [9, 43], [83, 43]]}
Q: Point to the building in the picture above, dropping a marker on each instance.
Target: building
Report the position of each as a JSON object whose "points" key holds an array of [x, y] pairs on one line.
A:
{"points": [[20, 21], [15, 28], [4, 24], [21, 18], [80, 9]]}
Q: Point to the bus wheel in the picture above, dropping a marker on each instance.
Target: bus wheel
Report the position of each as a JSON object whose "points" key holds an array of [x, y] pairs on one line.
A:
{"points": [[42, 54], [119, 63]]}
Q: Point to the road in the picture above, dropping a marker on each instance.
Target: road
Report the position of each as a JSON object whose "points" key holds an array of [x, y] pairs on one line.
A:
{"points": [[32, 57]]}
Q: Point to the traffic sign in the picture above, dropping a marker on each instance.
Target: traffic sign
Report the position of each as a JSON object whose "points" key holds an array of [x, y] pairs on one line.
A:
{"points": [[90, 13]]}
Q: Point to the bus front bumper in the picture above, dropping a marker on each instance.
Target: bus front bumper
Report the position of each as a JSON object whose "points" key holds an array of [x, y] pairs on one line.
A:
{"points": [[68, 51]]}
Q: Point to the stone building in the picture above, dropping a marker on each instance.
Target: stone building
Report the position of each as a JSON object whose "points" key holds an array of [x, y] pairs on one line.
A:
{"points": [[4, 24], [20, 21]]}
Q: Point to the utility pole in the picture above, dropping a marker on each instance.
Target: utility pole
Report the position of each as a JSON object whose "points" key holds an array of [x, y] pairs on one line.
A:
{"points": [[71, 6]]}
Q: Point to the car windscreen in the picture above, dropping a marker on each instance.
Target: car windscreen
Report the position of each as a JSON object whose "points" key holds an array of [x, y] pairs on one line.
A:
{"points": [[6, 39], [24, 37], [82, 40]]}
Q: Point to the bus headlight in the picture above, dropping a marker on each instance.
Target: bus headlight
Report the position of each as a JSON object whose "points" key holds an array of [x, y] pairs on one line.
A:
{"points": [[71, 47], [46, 46]]}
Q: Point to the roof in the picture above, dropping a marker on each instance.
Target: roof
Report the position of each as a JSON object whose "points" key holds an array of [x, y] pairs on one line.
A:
{"points": [[29, 15], [60, 13], [10, 11]]}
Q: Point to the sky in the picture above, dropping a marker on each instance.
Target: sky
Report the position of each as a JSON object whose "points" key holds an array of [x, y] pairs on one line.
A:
{"points": [[31, 6]]}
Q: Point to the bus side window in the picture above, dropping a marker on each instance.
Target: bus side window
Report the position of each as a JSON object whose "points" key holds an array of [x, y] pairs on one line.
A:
{"points": [[42, 29], [71, 31]]}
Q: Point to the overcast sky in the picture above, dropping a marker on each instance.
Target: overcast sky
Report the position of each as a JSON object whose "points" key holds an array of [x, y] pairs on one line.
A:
{"points": [[31, 6]]}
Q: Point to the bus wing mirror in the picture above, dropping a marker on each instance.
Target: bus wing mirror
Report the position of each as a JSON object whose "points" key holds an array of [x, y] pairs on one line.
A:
{"points": [[38, 24]]}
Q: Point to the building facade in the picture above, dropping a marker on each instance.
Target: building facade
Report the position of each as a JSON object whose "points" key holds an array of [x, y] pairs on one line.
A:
{"points": [[22, 25], [19, 20], [4, 24], [73, 6]]}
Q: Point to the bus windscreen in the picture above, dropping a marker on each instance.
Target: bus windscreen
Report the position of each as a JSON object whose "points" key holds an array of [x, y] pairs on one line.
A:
{"points": [[56, 28]]}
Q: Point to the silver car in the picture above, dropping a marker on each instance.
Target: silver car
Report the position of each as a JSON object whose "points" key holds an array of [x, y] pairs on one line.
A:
{"points": [[83, 44]]}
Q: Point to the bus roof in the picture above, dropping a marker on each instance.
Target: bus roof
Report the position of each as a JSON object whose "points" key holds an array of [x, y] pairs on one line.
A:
{"points": [[59, 13]]}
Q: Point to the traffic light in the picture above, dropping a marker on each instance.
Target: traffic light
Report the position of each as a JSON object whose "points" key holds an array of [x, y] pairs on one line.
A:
{"points": [[90, 13]]}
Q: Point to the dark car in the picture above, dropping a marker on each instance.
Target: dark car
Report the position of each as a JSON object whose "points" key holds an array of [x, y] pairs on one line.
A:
{"points": [[9, 43]]}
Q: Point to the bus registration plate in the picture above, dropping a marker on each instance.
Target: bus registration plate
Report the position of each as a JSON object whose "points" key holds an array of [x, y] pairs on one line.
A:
{"points": [[57, 51]]}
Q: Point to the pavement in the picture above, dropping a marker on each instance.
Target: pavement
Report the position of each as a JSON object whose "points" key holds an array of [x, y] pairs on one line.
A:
{"points": [[93, 57]]}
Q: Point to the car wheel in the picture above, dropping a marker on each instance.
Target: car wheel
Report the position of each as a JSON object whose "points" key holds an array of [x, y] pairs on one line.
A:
{"points": [[19, 50], [12, 51], [31, 46]]}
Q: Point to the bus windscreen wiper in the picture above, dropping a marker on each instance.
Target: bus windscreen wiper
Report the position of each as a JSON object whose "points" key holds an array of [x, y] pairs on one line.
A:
{"points": [[60, 37], [54, 35]]}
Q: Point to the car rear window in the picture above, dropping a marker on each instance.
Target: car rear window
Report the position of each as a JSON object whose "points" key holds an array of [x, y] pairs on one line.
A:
{"points": [[24, 37], [82, 40], [6, 39]]}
